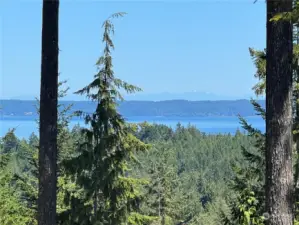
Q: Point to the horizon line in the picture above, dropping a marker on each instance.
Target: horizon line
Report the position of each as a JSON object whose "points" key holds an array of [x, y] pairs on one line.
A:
{"points": [[136, 100]]}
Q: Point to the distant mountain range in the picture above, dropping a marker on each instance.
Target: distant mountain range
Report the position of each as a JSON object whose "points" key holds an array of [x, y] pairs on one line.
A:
{"points": [[170, 108], [164, 96], [190, 96]]}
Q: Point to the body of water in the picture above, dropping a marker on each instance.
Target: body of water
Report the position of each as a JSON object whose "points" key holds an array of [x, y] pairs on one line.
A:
{"points": [[25, 125]]}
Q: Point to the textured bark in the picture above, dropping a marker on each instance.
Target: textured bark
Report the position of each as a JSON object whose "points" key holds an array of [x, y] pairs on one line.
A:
{"points": [[279, 172], [296, 136], [48, 115]]}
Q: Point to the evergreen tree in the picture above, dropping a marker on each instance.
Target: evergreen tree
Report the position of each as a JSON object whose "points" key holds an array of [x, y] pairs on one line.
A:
{"points": [[162, 185], [248, 204], [102, 163], [10, 142]]}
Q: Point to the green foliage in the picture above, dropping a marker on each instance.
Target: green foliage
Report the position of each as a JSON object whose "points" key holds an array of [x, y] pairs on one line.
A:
{"points": [[139, 219], [12, 210], [10, 142], [23, 167], [163, 181], [247, 206], [101, 165], [293, 16], [259, 59], [185, 172], [188, 169]]}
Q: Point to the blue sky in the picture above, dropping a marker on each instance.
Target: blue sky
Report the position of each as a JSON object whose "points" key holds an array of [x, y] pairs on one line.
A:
{"points": [[161, 46]]}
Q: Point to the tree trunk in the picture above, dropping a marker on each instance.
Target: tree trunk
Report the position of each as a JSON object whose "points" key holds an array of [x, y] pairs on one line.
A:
{"points": [[48, 115], [296, 136], [279, 172]]}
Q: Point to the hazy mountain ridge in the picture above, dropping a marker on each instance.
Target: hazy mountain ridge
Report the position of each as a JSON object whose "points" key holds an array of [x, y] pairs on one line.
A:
{"points": [[160, 96], [190, 96], [183, 108]]}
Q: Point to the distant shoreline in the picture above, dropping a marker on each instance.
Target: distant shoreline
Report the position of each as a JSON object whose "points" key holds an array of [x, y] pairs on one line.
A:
{"points": [[210, 125], [31, 118], [154, 109]]}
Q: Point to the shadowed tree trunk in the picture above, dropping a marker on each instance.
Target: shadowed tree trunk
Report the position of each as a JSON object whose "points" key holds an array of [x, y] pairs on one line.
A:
{"points": [[48, 115], [279, 173]]}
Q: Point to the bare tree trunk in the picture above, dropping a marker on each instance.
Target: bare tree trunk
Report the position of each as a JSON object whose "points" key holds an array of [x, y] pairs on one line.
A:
{"points": [[48, 115], [296, 123], [279, 172]]}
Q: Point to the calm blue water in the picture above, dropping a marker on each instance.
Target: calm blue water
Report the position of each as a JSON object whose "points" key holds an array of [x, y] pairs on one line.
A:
{"points": [[26, 125]]}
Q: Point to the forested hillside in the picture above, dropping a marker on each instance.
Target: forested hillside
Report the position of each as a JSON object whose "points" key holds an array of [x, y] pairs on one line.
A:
{"points": [[183, 176]]}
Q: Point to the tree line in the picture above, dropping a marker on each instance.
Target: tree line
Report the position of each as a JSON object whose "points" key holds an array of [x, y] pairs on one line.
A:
{"points": [[119, 173]]}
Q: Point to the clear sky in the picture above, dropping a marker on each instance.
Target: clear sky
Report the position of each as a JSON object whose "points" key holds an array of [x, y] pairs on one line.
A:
{"points": [[161, 46]]}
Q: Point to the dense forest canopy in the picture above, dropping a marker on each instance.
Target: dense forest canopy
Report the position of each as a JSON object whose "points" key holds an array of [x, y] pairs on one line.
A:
{"points": [[188, 168]]}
